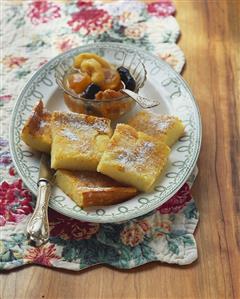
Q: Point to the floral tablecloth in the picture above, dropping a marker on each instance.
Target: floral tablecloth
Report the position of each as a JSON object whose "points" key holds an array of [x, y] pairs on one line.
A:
{"points": [[32, 33]]}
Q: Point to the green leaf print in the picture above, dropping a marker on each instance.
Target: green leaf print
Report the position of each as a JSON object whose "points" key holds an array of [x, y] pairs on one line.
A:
{"points": [[35, 45], [22, 73], [15, 15], [88, 252], [191, 211], [109, 234], [172, 217], [147, 252], [12, 250], [19, 22], [69, 254], [19, 238], [173, 246], [135, 256], [11, 13], [188, 240]]}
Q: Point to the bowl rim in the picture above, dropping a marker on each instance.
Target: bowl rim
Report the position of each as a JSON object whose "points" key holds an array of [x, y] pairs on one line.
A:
{"points": [[78, 97]]}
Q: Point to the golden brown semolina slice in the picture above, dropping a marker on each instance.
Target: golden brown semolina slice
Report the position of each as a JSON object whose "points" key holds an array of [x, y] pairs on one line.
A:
{"points": [[134, 158], [36, 132], [78, 140], [167, 128], [89, 188]]}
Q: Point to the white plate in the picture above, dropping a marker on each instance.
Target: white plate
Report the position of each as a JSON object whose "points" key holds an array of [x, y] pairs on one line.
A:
{"points": [[162, 83]]}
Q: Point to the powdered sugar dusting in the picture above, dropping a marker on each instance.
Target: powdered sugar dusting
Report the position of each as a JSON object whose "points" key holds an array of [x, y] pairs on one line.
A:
{"points": [[70, 135], [85, 123], [137, 156], [100, 126], [42, 124], [163, 126], [162, 123]]}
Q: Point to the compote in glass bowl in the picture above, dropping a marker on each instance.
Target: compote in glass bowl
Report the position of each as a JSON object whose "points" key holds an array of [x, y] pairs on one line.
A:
{"points": [[93, 95]]}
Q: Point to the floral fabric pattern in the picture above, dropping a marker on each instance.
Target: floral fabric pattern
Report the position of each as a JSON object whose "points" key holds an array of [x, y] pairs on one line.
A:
{"points": [[165, 234], [90, 21], [161, 8], [43, 255], [71, 229], [15, 202], [42, 11]]}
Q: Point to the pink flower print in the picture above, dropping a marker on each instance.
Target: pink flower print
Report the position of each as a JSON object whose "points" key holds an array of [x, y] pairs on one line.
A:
{"points": [[15, 201], [68, 228], [14, 61], [132, 235], [160, 228], [43, 255], [90, 21], [177, 202], [44, 61], [2, 220], [84, 3], [12, 171], [144, 224], [161, 8], [5, 98], [169, 58], [42, 11], [65, 44]]}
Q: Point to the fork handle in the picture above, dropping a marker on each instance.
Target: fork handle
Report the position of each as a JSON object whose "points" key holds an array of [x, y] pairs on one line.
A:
{"points": [[38, 227]]}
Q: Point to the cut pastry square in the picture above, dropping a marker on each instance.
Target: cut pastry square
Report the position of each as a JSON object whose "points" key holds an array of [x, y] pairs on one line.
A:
{"points": [[36, 132], [78, 140], [134, 158], [89, 188], [167, 128]]}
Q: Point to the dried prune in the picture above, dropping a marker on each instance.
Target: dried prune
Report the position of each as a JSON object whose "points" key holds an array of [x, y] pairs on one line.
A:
{"points": [[127, 78], [91, 90]]}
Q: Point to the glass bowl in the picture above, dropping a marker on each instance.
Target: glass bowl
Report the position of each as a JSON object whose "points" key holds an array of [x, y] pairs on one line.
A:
{"points": [[109, 108]]}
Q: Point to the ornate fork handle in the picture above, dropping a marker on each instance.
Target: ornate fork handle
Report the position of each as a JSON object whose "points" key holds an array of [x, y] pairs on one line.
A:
{"points": [[38, 227]]}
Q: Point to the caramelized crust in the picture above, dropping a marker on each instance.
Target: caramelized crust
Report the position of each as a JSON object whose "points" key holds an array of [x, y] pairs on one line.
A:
{"points": [[88, 188], [133, 157], [166, 128], [36, 132]]}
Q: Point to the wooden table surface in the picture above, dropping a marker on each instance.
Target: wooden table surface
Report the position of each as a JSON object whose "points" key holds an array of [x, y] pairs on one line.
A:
{"points": [[210, 41]]}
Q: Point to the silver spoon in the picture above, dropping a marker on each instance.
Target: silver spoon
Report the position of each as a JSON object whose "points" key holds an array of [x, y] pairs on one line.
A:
{"points": [[142, 101]]}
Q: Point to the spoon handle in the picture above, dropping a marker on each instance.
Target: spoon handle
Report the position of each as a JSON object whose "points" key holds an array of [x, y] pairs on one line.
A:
{"points": [[142, 101]]}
